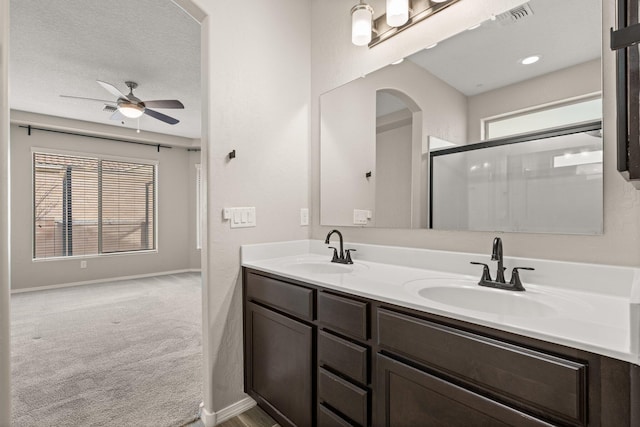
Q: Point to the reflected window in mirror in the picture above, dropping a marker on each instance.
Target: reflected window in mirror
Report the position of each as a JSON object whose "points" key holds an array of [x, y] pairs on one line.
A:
{"points": [[563, 113]]}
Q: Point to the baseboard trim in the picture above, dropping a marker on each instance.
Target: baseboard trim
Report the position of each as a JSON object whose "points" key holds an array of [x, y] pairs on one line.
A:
{"points": [[212, 419], [98, 281]]}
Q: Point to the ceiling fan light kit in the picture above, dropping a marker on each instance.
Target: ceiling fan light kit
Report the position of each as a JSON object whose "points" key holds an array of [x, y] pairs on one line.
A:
{"points": [[130, 110], [131, 107]]}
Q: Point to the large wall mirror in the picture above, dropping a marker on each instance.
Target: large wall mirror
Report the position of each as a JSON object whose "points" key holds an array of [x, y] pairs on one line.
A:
{"points": [[497, 129]]}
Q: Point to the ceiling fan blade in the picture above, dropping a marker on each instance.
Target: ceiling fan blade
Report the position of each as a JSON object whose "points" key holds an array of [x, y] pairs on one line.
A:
{"points": [[118, 116], [164, 103], [161, 117], [88, 99], [112, 89]]}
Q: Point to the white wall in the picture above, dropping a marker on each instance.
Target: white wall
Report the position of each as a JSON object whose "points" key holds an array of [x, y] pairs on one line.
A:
{"points": [[174, 244], [349, 114], [393, 177], [5, 273], [336, 61], [581, 79], [258, 68]]}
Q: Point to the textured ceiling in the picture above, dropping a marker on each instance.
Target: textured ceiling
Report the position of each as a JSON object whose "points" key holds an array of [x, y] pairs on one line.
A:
{"points": [[61, 47]]}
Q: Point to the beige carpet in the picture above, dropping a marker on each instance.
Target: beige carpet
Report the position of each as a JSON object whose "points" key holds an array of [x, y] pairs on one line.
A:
{"points": [[125, 353]]}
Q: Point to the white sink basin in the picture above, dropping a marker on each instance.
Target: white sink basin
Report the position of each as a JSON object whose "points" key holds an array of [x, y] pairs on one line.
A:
{"points": [[468, 295], [309, 267]]}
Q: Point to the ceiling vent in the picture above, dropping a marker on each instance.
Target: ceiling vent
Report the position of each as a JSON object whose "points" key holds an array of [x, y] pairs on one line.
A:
{"points": [[109, 108], [516, 14]]}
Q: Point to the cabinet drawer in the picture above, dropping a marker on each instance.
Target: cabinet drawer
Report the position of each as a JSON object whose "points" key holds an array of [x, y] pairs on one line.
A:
{"points": [[290, 298], [345, 357], [527, 378], [410, 397], [345, 397], [327, 418], [343, 315]]}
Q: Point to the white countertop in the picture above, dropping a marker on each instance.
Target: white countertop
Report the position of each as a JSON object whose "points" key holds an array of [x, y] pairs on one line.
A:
{"points": [[595, 308]]}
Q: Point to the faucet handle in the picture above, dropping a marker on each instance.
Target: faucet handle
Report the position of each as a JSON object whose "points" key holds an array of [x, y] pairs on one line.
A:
{"points": [[515, 277], [347, 256], [335, 254], [486, 274]]}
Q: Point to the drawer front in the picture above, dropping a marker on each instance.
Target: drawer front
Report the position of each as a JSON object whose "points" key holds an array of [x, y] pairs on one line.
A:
{"points": [[345, 397], [528, 378], [290, 298], [410, 397], [327, 418], [343, 356], [343, 315]]}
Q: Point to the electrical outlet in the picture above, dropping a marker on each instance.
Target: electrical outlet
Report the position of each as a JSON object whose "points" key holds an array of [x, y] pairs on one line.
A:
{"points": [[304, 216], [361, 216], [83, 264]]}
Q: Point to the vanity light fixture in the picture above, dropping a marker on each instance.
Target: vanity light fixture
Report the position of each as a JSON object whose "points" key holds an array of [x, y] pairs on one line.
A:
{"points": [[400, 15], [530, 60], [397, 12], [361, 23]]}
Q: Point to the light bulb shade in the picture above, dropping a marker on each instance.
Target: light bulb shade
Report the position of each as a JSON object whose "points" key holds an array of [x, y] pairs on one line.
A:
{"points": [[361, 17], [397, 12], [130, 110]]}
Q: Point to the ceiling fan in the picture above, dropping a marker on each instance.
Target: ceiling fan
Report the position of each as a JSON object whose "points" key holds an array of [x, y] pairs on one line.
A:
{"points": [[131, 107]]}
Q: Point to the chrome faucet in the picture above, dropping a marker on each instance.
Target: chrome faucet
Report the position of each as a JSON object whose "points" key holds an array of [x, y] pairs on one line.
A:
{"points": [[515, 284], [344, 257]]}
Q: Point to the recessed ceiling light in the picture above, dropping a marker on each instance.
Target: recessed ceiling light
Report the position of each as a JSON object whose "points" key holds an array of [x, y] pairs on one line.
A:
{"points": [[530, 60], [399, 61]]}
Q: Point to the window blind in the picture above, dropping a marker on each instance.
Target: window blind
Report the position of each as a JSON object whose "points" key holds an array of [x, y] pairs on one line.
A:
{"points": [[88, 206]]}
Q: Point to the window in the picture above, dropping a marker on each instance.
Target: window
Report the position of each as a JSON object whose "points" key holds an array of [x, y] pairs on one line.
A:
{"points": [[541, 118], [90, 206]]}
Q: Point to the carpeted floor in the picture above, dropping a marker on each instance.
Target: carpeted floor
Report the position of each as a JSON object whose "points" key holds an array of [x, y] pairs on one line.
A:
{"points": [[125, 353]]}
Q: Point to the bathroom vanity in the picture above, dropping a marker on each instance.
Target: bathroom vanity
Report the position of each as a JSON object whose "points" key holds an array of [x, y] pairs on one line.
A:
{"points": [[335, 345]]}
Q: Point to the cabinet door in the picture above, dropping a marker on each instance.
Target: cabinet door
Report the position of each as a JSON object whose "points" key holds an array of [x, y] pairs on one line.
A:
{"points": [[406, 396], [279, 365]]}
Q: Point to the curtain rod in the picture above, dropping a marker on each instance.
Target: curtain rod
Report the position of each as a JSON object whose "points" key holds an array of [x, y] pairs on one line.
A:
{"points": [[31, 128]]}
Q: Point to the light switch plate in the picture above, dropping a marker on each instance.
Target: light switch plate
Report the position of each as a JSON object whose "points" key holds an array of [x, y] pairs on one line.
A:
{"points": [[240, 217], [304, 216]]}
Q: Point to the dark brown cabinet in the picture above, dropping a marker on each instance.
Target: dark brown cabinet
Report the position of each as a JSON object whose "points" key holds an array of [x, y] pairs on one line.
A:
{"points": [[527, 378], [316, 357], [412, 397], [279, 363], [344, 389]]}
